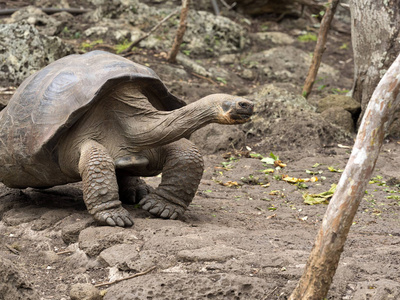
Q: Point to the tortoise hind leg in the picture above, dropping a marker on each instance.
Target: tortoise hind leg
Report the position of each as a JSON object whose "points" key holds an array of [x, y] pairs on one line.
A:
{"points": [[132, 189], [100, 188], [181, 177]]}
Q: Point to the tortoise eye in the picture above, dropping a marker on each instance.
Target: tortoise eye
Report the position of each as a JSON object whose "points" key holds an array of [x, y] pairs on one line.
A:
{"points": [[226, 105]]}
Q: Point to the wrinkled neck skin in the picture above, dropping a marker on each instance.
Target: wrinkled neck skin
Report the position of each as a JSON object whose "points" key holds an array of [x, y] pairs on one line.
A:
{"points": [[148, 127]]}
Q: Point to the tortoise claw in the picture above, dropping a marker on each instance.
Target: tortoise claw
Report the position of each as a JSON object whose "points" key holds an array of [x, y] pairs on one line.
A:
{"points": [[159, 207], [114, 217]]}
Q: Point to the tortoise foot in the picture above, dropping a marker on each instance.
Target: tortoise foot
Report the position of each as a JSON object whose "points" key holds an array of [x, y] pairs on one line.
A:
{"points": [[159, 207], [114, 217]]}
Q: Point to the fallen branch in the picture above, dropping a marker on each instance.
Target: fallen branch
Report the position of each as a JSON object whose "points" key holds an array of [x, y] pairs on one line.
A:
{"points": [[47, 10], [134, 43], [179, 33], [325, 255], [65, 252], [229, 7], [8, 90], [319, 47], [126, 278]]}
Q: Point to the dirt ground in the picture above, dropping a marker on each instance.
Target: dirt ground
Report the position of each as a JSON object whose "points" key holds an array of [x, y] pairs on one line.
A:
{"points": [[246, 235]]}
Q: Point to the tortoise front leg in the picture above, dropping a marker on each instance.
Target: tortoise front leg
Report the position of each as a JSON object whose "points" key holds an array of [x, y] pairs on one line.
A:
{"points": [[181, 177], [100, 188]]}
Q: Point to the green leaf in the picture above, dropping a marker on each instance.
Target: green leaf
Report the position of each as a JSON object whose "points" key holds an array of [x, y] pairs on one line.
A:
{"points": [[268, 160], [323, 197], [275, 157], [220, 79], [332, 169], [314, 172], [256, 155]]}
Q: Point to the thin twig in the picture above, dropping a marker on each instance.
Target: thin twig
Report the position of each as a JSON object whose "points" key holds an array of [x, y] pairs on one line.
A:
{"points": [[134, 43], [126, 278], [203, 77], [13, 250]]}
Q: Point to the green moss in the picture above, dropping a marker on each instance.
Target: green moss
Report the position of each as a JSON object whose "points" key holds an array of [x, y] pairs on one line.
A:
{"points": [[307, 37]]}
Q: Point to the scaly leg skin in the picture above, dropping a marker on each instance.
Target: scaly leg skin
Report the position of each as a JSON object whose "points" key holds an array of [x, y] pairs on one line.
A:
{"points": [[100, 188], [132, 189], [181, 177]]}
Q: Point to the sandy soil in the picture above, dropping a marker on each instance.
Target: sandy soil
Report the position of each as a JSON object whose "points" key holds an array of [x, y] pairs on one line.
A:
{"points": [[247, 234]]}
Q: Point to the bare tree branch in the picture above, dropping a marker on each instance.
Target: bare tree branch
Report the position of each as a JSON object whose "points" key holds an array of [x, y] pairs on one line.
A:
{"points": [[324, 257], [320, 46], [180, 32], [134, 43]]}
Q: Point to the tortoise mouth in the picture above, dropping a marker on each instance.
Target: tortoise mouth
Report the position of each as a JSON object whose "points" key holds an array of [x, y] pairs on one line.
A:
{"points": [[241, 116], [243, 111]]}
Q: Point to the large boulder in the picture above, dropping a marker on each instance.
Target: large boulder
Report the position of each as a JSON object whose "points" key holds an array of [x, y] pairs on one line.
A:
{"points": [[206, 34], [23, 51], [286, 121], [31, 15], [286, 64]]}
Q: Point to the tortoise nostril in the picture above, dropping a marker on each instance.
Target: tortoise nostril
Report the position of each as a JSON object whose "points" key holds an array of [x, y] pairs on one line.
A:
{"points": [[245, 105]]}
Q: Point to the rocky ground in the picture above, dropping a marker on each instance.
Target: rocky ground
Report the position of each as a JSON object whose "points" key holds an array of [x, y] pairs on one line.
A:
{"points": [[248, 232]]}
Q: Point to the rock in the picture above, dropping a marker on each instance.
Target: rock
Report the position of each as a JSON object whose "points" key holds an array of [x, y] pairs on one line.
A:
{"points": [[208, 286], [285, 121], [78, 260], [148, 259], [119, 255], [227, 59], [73, 225], [286, 63], [192, 65], [168, 72], [26, 214], [49, 218], [49, 257], [206, 34], [31, 15], [212, 253], [95, 31], [247, 74], [23, 51], [214, 138], [340, 117], [93, 240], [278, 38], [345, 102], [13, 283], [84, 291]]}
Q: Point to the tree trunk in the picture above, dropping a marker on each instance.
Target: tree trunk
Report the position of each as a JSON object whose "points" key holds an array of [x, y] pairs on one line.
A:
{"points": [[324, 258], [375, 38]]}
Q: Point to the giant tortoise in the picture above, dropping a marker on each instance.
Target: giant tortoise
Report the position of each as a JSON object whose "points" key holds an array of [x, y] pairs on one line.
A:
{"points": [[107, 121]]}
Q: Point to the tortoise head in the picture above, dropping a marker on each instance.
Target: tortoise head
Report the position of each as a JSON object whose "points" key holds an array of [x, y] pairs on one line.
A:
{"points": [[231, 109]]}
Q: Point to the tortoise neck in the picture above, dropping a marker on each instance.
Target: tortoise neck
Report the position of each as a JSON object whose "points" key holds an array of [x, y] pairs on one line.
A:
{"points": [[157, 128]]}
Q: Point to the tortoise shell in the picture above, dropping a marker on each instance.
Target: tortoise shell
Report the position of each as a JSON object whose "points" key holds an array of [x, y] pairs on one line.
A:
{"points": [[50, 101]]}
